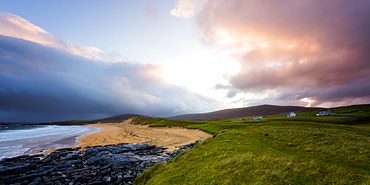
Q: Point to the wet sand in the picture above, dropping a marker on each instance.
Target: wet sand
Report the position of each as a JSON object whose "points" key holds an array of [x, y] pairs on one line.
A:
{"points": [[49, 146], [114, 133]]}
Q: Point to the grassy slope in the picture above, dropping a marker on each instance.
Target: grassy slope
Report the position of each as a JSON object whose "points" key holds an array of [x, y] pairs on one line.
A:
{"points": [[275, 150]]}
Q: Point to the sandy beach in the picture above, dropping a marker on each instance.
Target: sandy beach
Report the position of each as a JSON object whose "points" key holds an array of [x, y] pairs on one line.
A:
{"points": [[114, 133]]}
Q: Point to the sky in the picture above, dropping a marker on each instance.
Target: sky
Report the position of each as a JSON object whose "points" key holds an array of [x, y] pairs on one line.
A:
{"points": [[91, 59]]}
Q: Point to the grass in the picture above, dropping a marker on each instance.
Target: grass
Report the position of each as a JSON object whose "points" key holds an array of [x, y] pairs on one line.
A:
{"points": [[364, 126], [275, 150], [347, 111]]}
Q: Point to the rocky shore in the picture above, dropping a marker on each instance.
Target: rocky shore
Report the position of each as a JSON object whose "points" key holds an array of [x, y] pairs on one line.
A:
{"points": [[109, 164]]}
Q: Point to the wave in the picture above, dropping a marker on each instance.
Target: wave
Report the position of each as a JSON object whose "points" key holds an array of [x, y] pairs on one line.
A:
{"points": [[32, 139]]}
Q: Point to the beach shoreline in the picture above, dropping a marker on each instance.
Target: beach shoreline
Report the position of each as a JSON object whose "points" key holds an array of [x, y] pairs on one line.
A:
{"points": [[114, 133], [19, 139]]}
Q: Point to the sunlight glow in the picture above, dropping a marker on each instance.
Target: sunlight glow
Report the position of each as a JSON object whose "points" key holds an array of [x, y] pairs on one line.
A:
{"points": [[200, 72], [308, 100], [232, 43]]}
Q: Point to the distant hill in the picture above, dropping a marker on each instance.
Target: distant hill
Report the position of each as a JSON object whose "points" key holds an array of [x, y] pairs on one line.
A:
{"points": [[261, 110], [119, 117]]}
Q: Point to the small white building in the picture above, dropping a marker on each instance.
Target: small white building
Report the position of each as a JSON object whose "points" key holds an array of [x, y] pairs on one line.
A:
{"points": [[258, 118], [291, 114], [324, 113]]}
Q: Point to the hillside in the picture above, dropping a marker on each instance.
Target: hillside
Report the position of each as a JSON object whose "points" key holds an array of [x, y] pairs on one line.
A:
{"points": [[118, 118], [275, 150], [261, 110]]}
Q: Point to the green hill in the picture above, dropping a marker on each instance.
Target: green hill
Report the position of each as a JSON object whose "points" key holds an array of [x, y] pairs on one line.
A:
{"points": [[260, 110], [275, 150]]}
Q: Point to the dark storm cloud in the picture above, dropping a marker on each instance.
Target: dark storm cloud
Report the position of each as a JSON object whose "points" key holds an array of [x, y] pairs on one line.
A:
{"points": [[295, 49], [40, 83]]}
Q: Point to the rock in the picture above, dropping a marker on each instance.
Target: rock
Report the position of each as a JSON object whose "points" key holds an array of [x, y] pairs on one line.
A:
{"points": [[51, 157], [72, 156], [128, 178], [106, 179], [110, 164]]}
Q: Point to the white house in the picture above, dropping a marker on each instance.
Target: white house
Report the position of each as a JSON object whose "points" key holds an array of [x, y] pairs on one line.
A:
{"points": [[324, 113], [258, 118], [291, 114]]}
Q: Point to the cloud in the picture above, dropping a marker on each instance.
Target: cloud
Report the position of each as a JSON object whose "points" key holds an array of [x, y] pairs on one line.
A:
{"points": [[186, 8], [290, 50], [39, 82], [15, 26]]}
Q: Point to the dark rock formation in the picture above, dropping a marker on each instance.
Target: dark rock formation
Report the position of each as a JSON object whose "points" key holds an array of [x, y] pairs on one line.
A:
{"points": [[110, 164]]}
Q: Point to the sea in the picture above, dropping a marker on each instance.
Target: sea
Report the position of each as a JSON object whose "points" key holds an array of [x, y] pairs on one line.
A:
{"points": [[21, 139]]}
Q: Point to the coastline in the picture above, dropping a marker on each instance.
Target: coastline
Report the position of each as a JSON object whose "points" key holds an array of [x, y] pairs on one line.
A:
{"points": [[114, 133], [20, 139], [66, 142], [128, 150]]}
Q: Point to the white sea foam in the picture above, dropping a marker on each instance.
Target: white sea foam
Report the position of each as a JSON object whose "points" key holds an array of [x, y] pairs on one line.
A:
{"points": [[24, 141], [12, 151]]}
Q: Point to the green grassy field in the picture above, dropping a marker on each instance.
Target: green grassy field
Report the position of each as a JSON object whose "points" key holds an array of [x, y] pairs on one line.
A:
{"points": [[276, 150]]}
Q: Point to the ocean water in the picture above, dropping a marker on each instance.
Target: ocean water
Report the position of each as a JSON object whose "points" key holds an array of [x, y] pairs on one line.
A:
{"points": [[17, 139]]}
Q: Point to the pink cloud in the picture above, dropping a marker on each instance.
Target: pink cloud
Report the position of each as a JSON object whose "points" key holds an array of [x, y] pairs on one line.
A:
{"points": [[310, 48], [15, 26]]}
